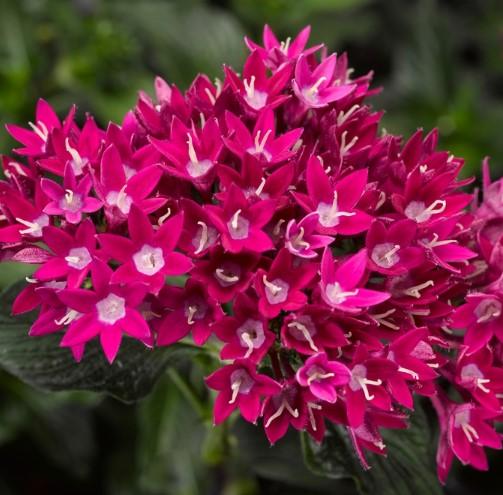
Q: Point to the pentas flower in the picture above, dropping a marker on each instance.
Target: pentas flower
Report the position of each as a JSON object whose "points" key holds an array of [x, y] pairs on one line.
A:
{"points": [[311, 330], [274, 52], [118, 192], [390, 250], [192, 155], [316, 88], [262, 143], [73, 254], [240, 387], [322, 376], [476, 373], [301, 240], [482, 318], [334, 267], [240, 223], [37, 139], [280, 287], [148, 255], [257, 90], [191, 310], [108, 311], [282, 410], [247, 333], [340, 285], [335, 205], [71, 199]]}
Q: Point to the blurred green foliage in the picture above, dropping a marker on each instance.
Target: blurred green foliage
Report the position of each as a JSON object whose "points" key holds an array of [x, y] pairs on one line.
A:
{"points": [[440, 63]]}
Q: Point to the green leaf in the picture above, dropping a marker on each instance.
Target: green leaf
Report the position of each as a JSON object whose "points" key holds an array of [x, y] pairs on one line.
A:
{"points": [[41, 363], [407, 470]]}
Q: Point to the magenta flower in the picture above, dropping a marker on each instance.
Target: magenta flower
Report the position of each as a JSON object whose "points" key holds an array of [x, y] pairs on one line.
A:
{"points": [[109, 311], [192, 155], [469, 432], [367, 385], [274, 52], [390, 250], [301, 240], [482, 318], [240, 223], [73, 255], [246, 333], [476, 373], [335, 205], [240, 387], [118, 192], [148, 255], [281, 287], [340, 284], [322, 376], [262, 143], [198, 234], [311, 330], [191, 311], [225, 274], [317, 88], [36, 140], [72, 199], [282, 410], [257, 90]]}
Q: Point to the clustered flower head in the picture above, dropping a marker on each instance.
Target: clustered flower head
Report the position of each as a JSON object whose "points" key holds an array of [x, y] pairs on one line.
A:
{"points": [[337, 266]]}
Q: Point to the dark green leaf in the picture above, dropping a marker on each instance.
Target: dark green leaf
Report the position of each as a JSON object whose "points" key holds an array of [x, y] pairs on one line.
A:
{"points": [[42, 363], [407, 470]]}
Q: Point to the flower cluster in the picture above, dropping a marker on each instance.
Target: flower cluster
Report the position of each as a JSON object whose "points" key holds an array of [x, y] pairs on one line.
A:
{"points": [[328, 260]]}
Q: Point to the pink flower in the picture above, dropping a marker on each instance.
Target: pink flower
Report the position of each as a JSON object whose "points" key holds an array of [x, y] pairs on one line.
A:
{"points": [[192, 154], [257, 90], [301, 240], [335, 205], [482, 317], [262, 143], [322, 376], [240, 223], [148, 255], [246, 333], [73, 255], [390, 250], [280, 288], [108, 311], [191, 310], [240, 387], [317, 88], [340, 283], [72, 199]]}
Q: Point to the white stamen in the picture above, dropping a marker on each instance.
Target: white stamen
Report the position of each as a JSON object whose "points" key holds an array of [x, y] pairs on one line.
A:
{"points": [[164, 217], [413, 374], [40, 130], [313, 90], [305, 332], [319, 376], [312, 419], [220, 273], [210, 96], [261, 186], [285, 45], [284, 405], [336, 294], [415, 290], [250, 87], [203, 239], [436, 243], [260, 143], [277, 227], [344, 148], [70, 315], [470, 432], [191, 311], [343, 116], [329, 214], [363, 384], [275, 289], [416, 210], [191, 150], [78, 163], [235, 219], [246, 337], [480, 384], [235, 390], [380, 319]]}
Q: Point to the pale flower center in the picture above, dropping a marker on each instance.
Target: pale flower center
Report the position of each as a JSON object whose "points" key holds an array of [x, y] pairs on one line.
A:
{"points": [[111, 309], [471, 373], [70, 201], [336, 294], [238, 226], [256, 99], [251, 335], [228, 274], [204, 238], [303, 329], [359, 381], [120, 199], [78, 258], [329, 214], [241, 383], [385, 255], [417, 210], [276, 291], [34, 228], [488, 310], [149, 260]]}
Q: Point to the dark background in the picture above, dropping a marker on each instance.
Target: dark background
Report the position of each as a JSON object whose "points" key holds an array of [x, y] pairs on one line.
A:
{"points": [[441, 65]]}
